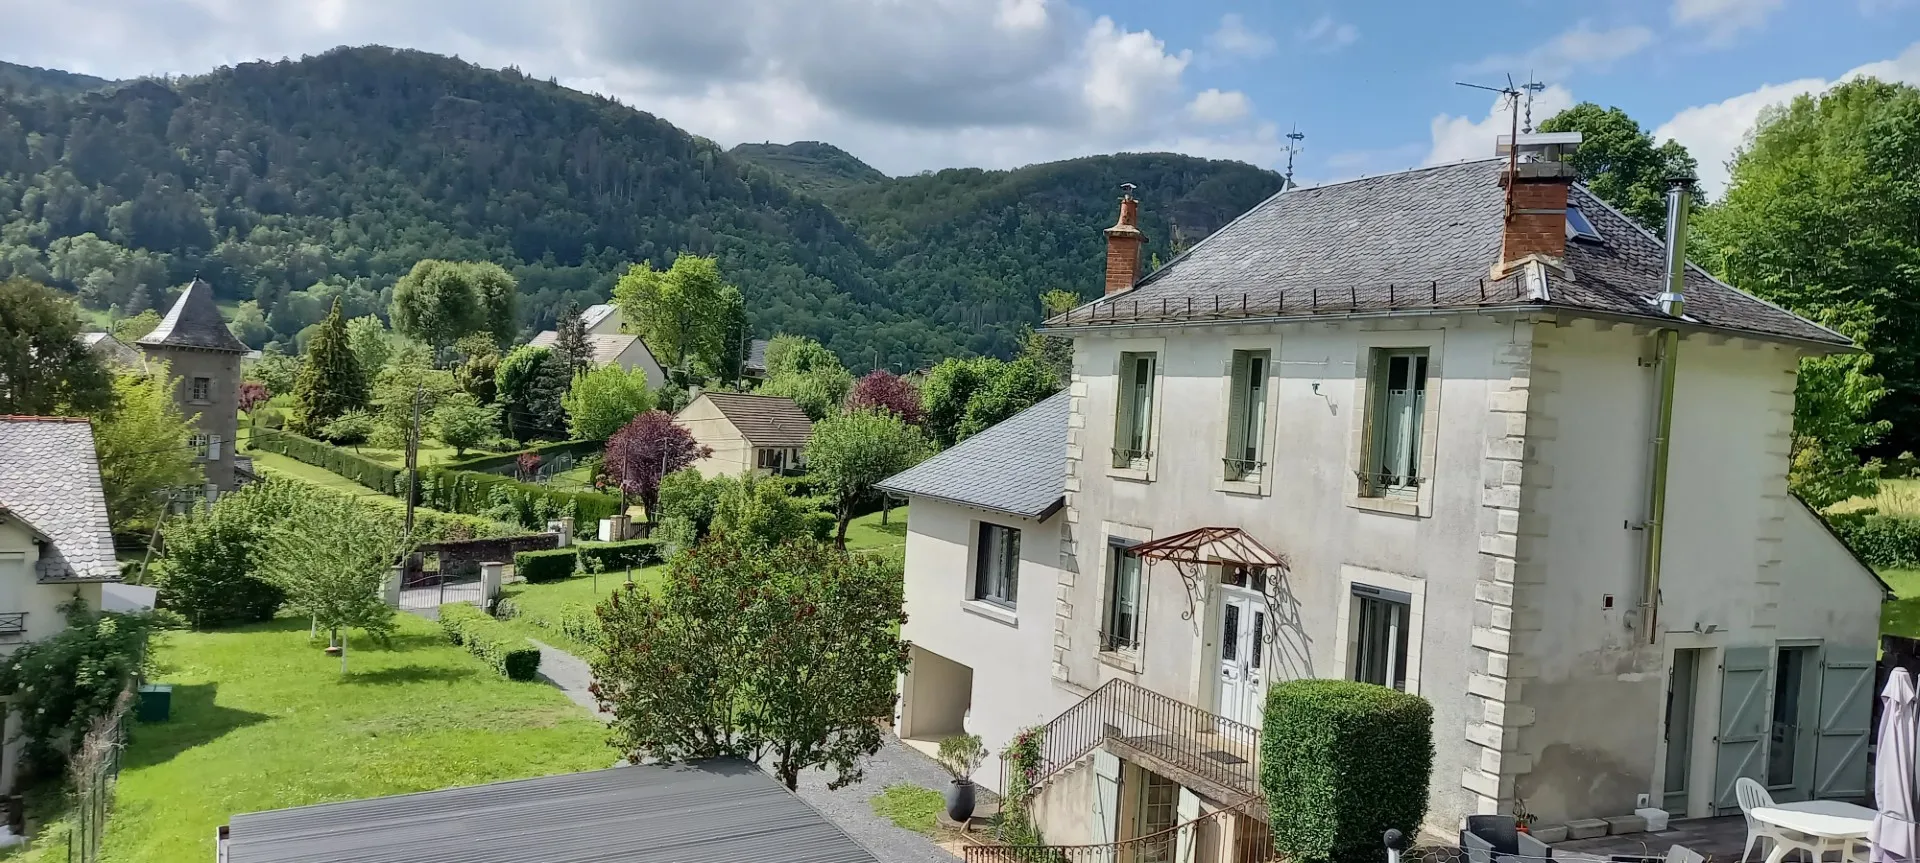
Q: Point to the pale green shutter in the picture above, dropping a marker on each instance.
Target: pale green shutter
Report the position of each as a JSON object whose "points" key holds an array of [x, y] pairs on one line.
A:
{"points": [[1846, 720], [1123, 413], [1743, 722], [1237, 415]]}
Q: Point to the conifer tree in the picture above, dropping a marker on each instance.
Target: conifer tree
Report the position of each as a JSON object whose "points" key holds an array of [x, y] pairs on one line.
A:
{"points": [[570, 343], [331, 381]]}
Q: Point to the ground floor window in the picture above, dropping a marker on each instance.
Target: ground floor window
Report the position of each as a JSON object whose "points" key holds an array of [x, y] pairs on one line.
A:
{"points": [[1159, 809], [1378, 636], [1120, 624]]}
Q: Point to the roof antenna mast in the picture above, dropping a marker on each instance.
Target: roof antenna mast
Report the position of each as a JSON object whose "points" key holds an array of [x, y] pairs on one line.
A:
{"points": [[1532, 86], [1293, 146], [1513, 96]]}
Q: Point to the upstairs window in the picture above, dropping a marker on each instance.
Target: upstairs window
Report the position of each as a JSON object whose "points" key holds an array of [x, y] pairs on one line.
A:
{"points": [[200, 390], [198, 445], [1133, 423], [997, 565], [1397, 409], [1246, 416]]}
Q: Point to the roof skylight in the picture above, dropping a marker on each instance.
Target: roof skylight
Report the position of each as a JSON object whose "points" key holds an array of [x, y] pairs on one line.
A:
{"points": [[1579, 227]]}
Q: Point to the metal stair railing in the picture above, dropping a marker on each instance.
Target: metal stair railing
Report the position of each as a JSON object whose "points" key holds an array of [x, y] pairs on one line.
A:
{"points": [[1161, 847], [1187, 738]]}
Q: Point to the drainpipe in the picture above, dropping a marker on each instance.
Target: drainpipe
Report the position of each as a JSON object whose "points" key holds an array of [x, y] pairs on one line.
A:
{"points": [[1673, 302]]}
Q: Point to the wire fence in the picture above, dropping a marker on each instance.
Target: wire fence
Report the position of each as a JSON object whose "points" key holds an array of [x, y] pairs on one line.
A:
{"points": [[95, 767]]}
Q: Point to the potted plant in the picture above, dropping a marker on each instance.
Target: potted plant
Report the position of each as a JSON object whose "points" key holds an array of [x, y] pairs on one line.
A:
{"points": [[1522, 819], [961, 754]]}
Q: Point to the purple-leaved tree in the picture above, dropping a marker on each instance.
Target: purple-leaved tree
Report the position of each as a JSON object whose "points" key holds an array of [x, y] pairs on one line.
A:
{"points": [[647, 449], [889, 392]]}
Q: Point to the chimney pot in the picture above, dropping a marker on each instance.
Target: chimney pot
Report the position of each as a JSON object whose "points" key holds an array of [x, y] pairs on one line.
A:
{"points": [[1124, 241], [1536, 220]]}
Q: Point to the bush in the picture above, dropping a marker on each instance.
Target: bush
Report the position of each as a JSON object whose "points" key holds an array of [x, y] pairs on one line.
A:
{"points": [[360, 469], [208, 574], [511, 451], [489, 639], [616, 556], [1342, 762], [1883, 541], [550, 565]]}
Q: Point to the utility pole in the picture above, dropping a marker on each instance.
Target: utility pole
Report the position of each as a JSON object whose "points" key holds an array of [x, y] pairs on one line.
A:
{"points": [[413, 459]]}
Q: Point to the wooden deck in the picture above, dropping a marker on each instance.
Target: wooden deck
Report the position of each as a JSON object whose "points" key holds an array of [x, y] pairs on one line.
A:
{"points": [[1720, 840]]}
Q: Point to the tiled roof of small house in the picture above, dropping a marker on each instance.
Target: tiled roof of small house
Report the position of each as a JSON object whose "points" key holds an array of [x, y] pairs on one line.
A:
{"points": [[606, 348], [1017, 466], [765, 421], [194, 322], [50, 479], [1417, 241]]}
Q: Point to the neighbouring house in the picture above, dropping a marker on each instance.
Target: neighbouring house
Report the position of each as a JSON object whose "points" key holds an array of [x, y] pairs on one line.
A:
{"points": [[112, 351], [1453, 430], [55, 545], [721, 810], [747, 432], [755, 367], [611, 347], [205, 357]]}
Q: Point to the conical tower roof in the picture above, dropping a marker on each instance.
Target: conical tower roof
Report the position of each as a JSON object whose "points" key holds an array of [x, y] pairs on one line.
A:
{"points": [[194, 322]]}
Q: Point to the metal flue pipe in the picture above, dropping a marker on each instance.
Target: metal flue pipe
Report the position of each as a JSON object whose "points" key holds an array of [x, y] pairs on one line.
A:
{"points": [[1673, 304]]}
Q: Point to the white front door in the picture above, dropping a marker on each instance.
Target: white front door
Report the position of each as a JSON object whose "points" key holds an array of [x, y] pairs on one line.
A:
{"points": [[1241, 693]]}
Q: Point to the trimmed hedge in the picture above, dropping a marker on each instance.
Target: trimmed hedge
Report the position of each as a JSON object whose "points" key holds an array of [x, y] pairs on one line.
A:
{"points": [[456, 491], [508, 653], [368, 472], [1883, 541], [1341, 762], [616, 556], [551, 565], [492, 462]]}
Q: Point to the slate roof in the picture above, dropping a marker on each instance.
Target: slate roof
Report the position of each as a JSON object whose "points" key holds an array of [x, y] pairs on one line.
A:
{"points": [[50, 479], [194, 322], [606, 348], [722, 810], [1018, 466], [111, 349], [764, 420], [594, 314], [1420, 240], [756, 356]]}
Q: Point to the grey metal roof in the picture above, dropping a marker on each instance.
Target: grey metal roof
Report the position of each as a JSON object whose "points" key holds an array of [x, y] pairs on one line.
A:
{"points": [[1018, 466], [594, 314], [194, 322], [50, 479], [718, 811], [1419, 240], [607, 348], [756, 356]]}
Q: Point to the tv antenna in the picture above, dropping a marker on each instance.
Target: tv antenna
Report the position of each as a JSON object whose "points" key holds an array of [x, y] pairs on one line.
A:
{"points": [[1514, 95], [1293, 146]]}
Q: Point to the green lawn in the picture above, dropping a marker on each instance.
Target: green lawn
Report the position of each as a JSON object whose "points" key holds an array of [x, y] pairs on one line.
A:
{"points": [[540, 605], [279, 465], [1901, 616], [910, 807], [262, 719], [867, 532], [431, 453]]}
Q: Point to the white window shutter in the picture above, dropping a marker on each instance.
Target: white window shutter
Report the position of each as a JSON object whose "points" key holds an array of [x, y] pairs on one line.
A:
{"points": [[213, 448]]}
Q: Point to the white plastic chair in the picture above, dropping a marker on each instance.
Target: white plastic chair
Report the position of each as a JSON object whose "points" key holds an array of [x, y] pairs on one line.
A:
{"points": [[1752, 795]]}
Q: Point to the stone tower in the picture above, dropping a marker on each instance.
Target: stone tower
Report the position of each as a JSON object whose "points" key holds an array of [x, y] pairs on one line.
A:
{"points": [[205, 357]]}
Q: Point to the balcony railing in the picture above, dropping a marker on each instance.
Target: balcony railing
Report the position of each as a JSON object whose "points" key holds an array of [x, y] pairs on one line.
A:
{"points": [[1240, 468], [1188, 742], [1253, 845], [13, 624], [1123, 457]]}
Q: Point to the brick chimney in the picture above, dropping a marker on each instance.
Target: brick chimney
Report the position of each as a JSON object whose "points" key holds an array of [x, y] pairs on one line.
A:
{"points": [[1124, 241], [1537, 184]]}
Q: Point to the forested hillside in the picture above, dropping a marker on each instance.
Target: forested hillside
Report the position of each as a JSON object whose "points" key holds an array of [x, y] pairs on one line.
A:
{"points": [[289, 184], [16, 77]]}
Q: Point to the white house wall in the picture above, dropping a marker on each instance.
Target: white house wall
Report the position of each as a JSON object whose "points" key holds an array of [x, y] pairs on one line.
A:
{"points": [[1006, 650], [636, 356], [731, 455], [1309, 516], [1583, 688], [21, 591]]}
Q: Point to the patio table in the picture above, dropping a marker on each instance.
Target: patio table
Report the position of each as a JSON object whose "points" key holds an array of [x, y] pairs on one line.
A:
{"points": [[1827, 825]]}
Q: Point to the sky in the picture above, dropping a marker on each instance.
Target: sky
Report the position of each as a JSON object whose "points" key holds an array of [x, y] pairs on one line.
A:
{"points": [[914, 85]]}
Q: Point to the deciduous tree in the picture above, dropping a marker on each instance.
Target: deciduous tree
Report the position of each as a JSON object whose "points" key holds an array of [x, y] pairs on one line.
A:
{"points": [[1054, 353], [462, 422], [1019, 385], [887, 391], [530, 384], [1621, 162], [788, 653], [604, 399], [804, 370], [852, 452], [640, 454], [142, 447], [44, 368], [437, 302], [685, 312], [371, 342], [331, 559], [948, 389], [331, 381]]}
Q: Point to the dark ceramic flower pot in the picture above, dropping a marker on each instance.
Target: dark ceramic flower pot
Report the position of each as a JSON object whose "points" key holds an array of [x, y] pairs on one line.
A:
{"points": [[959, 798]]}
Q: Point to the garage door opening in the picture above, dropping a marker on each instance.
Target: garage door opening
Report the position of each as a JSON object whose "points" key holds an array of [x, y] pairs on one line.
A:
{"points": [[935, 699]]}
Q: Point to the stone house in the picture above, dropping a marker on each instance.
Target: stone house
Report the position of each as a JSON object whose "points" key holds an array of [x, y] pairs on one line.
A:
{"points": [[205, 358], [1463, 431]]}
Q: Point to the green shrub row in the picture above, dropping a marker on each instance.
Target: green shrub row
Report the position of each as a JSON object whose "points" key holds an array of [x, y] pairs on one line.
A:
{"points": [[1342, 762], [582, 624], [618, 556], [489, 639], [549, 565], [467, 492], [492, 461], [1883, 541]]}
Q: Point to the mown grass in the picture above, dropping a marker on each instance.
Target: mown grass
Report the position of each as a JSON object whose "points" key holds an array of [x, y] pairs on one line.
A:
{"points": [[263, 719], [910, 807]]}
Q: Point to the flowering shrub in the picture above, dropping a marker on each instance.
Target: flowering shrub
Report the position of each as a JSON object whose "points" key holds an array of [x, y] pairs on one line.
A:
{"points": [[59, 685]]}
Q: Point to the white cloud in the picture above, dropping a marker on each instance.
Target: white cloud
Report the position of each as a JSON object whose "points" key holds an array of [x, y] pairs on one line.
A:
{"points": [[1461, 138], [1216, 106], [1581, 48], [905, 85], [1233, 38], [1327, 34], [1712, 133], [1721, 20]]}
